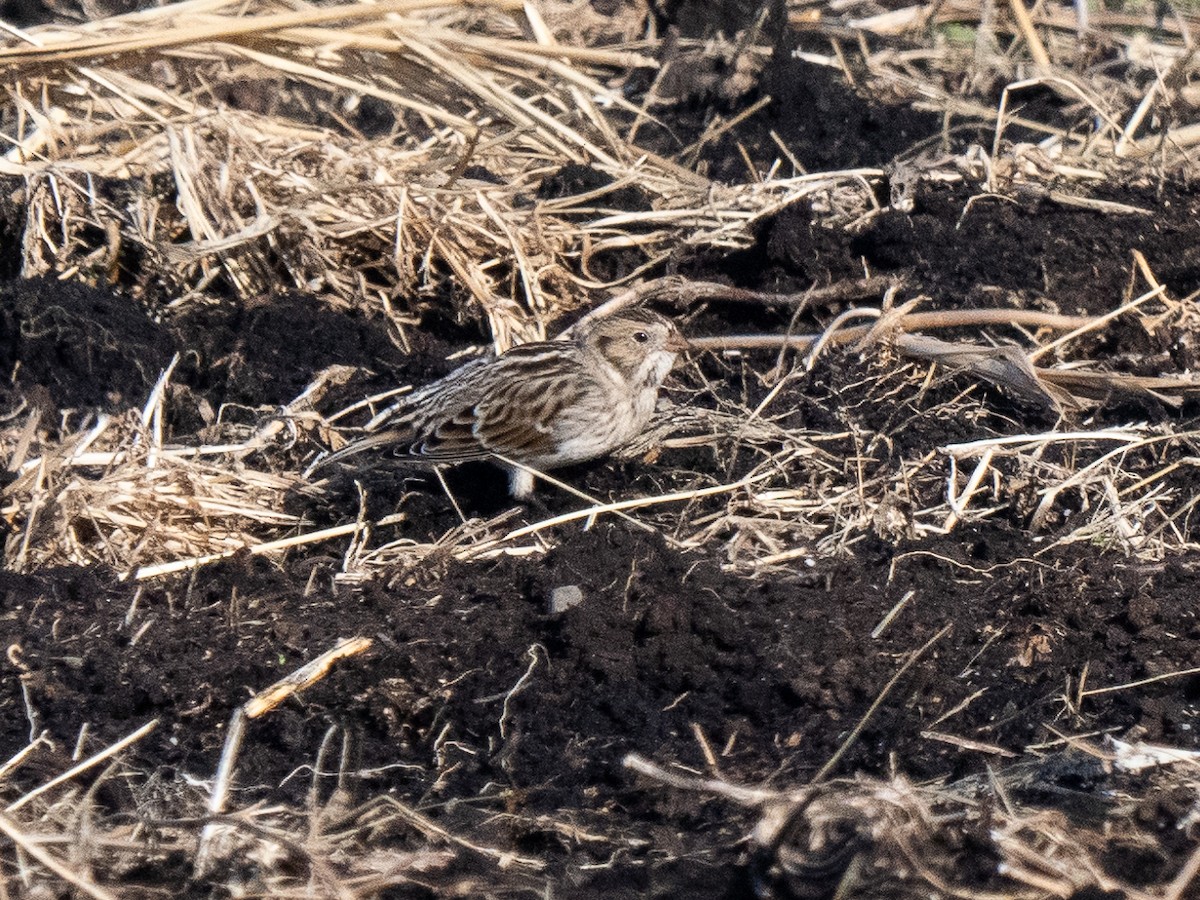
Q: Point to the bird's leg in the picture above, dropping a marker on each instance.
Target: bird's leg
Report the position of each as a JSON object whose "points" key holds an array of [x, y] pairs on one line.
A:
{"points": [[520, 483]]}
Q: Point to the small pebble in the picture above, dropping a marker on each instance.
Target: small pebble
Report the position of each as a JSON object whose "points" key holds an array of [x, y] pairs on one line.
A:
{"points": [[563, 598]]}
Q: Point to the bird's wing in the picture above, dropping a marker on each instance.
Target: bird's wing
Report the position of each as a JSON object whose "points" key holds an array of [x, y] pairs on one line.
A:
{"points": [[505, 407], [515, 414], [520, 424], [447, 438]]}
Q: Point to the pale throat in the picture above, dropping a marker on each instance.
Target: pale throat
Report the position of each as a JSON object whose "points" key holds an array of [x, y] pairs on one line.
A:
{"points": [[657, 367], [648, 372], [643, 382]]}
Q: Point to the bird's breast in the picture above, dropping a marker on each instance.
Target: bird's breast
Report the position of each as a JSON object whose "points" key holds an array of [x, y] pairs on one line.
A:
{"points": [[599, 422]]}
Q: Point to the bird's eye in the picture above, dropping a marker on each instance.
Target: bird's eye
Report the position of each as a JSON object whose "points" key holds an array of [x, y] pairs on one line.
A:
{"points": [[641, 337]]}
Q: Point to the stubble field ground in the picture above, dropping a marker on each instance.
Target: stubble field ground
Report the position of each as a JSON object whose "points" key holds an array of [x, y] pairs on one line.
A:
{"points": [[897, 618]]}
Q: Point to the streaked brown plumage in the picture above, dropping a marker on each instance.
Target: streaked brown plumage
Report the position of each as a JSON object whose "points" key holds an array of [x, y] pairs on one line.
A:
{"points": [[545, 404]]}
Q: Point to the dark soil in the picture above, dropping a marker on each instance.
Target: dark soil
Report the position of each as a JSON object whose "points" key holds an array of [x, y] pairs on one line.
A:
{"points": [[668, 650]]}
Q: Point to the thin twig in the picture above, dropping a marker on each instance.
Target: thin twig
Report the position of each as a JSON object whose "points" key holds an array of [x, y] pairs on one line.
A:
{"points": [[88, 763], [59, 868], [829, 766]]}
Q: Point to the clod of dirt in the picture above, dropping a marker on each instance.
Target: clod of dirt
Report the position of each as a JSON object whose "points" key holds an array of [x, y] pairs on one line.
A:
{"points": [[266, 351], [70, 346]]}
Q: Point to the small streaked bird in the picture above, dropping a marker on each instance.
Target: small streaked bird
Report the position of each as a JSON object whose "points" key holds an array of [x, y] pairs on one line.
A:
{"points": [[545, 404]]}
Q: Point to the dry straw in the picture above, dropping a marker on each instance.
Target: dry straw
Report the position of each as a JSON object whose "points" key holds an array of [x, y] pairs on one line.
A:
{"points": [[869, 837], [250, 113]]}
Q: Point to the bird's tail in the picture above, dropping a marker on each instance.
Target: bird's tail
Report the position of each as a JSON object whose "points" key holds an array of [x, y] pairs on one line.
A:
{"points": [[387, 437]]}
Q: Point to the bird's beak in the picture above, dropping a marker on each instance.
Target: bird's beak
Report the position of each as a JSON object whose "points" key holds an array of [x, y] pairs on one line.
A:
{"points": [[676, 342]]}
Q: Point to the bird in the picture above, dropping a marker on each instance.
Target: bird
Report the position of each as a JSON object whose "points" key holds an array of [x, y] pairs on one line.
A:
{"points": [[542, 405]]}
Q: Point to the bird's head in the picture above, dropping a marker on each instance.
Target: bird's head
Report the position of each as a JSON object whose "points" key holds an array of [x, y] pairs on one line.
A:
{"points": [[638, 344]]}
